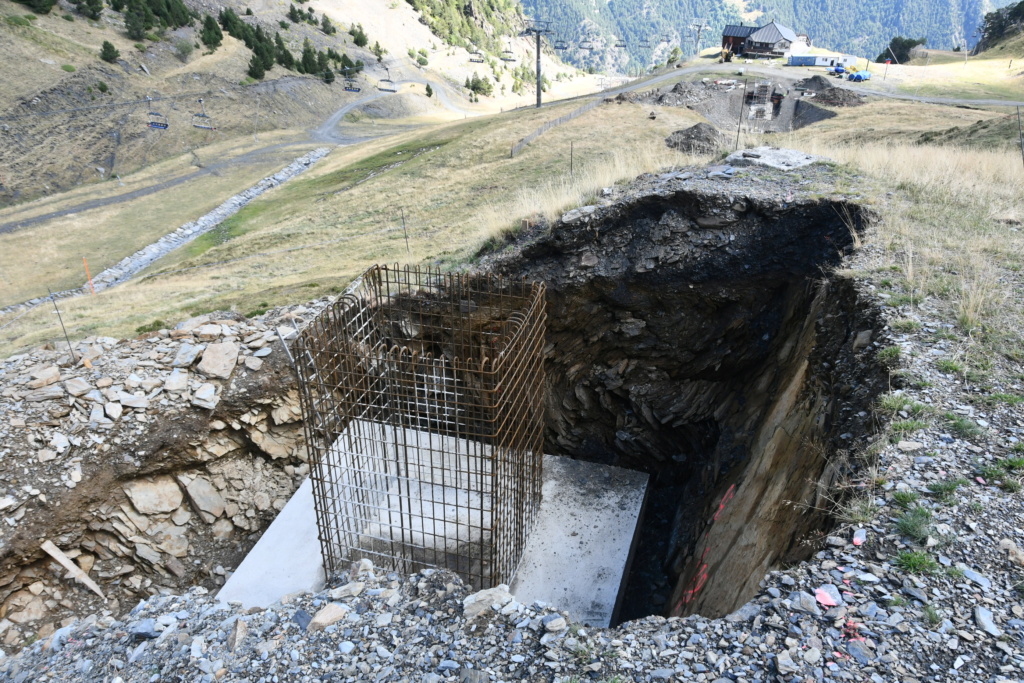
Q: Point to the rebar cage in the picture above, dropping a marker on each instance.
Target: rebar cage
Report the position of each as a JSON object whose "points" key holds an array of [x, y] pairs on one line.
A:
{"points": [[421, 393]]}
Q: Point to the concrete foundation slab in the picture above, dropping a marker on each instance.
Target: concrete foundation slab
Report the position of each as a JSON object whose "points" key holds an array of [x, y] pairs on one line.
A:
{"points": [[285, 560], [579, 552], [575, 559]]}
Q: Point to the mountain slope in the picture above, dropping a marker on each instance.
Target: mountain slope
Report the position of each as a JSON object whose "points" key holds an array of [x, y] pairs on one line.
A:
{"points": [[863, 28]]}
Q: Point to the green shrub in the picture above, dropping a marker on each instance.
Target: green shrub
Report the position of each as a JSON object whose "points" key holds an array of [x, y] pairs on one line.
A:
{"points": [[905, 498], [916, 562], [915, 523], [151, 327], [109, 53], [889, 356], [102, 87], [67, 67], [67, 17], [18, 21], [946, 488]]}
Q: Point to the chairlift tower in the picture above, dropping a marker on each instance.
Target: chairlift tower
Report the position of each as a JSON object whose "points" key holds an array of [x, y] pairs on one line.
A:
{"points": [[698, 26], [537, 29]]}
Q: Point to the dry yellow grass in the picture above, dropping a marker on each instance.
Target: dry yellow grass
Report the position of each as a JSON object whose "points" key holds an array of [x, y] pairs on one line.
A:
{"points": [[457, 186]]}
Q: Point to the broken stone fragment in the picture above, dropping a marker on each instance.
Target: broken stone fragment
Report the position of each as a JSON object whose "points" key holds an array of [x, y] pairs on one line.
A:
{"points": [[113, 410], [45, 394], [205, 498], [186, 355], [77, 386], [223, 529], [177, 381], [219, 360], [253, 363], [45, 377], [332, 613], [476, 604], [60, 442], [132, 401], [160, 495], [206, 396], [237, 635]]}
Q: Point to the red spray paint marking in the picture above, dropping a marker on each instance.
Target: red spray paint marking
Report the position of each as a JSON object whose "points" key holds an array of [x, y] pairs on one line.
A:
{"points": [[701, 578]]}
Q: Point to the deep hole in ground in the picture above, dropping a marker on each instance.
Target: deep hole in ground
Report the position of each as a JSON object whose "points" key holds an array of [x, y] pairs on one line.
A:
{"points": [[702, 338]]}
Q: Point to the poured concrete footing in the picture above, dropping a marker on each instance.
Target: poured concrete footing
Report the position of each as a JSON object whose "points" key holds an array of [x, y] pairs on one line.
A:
{"points": [[575, 559]]}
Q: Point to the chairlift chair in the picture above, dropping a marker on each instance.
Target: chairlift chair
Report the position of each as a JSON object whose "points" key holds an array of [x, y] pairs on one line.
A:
{"points": [[645, 43], [561, 44], [201, 119], [387, 85], [586, 44], [350, 84], [665, 38], [476, 57], [619, 42], [507, 55], [157, 120]]}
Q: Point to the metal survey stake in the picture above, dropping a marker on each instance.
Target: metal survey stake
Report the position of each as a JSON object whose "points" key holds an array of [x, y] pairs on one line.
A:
{"points": [[64, 329]]}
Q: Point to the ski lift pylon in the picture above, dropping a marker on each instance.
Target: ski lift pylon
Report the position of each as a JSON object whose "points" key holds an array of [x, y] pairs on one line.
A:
{"points": [[200, 118]]}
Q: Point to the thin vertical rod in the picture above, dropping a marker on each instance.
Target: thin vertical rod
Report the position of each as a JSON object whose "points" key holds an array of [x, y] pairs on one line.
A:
{"points": [[406, 231], [59, 318], [538, 68], [1020, 133], [739, 123]]}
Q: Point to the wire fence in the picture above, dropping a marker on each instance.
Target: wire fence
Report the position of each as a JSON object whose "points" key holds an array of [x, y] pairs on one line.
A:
{"points": [[565, 118]]}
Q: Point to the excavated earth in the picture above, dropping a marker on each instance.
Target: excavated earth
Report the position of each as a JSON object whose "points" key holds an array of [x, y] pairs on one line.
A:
{"points": [[697, 331]]}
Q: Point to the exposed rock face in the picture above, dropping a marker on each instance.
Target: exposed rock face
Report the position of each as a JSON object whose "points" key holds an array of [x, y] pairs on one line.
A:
{"points": [[693, 335]]}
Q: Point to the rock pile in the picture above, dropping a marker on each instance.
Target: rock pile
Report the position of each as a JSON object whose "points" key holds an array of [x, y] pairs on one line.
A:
{"points": [[149, 463], [825, 92]]}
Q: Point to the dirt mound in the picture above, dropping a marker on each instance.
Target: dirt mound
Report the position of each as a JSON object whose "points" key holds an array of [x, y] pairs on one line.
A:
{"points": [[828, 94], [815, 83], [699, 139]]}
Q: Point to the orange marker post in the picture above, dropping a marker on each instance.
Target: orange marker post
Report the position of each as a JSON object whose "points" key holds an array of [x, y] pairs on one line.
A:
{"points": [[89, 277]]}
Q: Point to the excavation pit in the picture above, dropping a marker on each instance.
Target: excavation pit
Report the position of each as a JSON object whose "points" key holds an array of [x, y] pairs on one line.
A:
{"points": [[697, 333]]}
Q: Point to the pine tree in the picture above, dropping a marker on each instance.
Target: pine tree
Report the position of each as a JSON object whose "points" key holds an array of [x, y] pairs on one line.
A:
{"points": [[109, 53], [308, 57], [282, 54], [293, 14], [430, 91], [135, 20], [358, 35], [92, 9], [327, 26], [211, 35], [256, 69], [378, 51], [328, 76]]}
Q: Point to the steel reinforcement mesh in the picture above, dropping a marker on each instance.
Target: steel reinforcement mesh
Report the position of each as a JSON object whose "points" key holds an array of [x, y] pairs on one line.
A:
{"points": [[421, 393]]}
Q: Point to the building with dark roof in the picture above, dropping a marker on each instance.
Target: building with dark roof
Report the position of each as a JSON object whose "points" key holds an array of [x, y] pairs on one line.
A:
{"points": [[771, 40], [733, 37]]}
